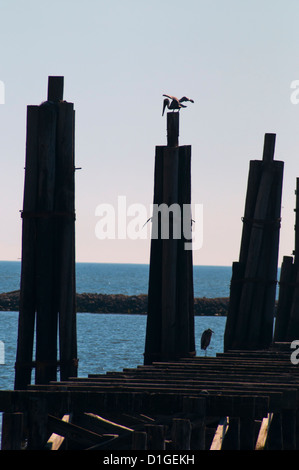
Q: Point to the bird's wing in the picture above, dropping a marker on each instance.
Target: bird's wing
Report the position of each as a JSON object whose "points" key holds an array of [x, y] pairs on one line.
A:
{"points": [[184, 98], [171, 97]]}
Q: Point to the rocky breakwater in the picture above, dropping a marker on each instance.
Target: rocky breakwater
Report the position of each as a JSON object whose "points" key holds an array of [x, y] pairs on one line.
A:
{"points": [[118, 303]]}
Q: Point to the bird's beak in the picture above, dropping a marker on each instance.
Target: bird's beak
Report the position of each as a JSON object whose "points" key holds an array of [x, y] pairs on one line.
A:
{"points": [[164, 106]]}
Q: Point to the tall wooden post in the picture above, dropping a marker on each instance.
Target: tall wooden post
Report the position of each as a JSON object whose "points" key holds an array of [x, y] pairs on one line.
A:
{"points": [[287, 318], [27, 302], [47, 294], [170, 320], [284, 305], [296, 210], [250, 318], [292, 330]]}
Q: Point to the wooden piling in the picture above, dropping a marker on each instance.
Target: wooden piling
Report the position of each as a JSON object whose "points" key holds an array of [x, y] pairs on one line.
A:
{"points": [[155, 437], [293, 324], [55, 88], [12, 431], [275, 438], [46, 308], [250, 317], [169, 254], [154, 316], [27, 303], [289, 429], [232, 436], [236, 283], [65, 227], [287, 319], [181, 434], [247, 434], [139, 440], [170, 319], [296, 210], [185, 337], [286, 289], [37, 423], [195, 407], [292, 315], [48, 243], [173, 123], [253, 183]]}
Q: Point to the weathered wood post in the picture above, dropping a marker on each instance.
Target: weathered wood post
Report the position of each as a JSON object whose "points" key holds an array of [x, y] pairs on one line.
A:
{"points": [[195, 408], [27, 304], [296, 210], [181, 434], [47, 294], [170, 320], [292, 331], [155, 436], [46, 297], [12, 428], [65, 207], [253, 287], [287, 318], [286, 289]]}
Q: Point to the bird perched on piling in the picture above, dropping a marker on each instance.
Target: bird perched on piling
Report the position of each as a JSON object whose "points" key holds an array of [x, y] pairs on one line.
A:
{"points": [[205, 339], [175, 103]]}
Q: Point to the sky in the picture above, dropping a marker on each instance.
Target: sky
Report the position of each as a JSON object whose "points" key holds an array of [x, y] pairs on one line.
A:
{"points": [[236, 60]]}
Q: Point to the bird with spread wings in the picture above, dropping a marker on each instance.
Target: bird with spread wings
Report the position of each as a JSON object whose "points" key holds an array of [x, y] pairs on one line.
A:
{"points": [[175, 103]]}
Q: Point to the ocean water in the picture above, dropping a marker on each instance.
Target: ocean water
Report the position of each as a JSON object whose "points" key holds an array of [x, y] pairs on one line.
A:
{"points": [[108, 342], [128, 279]]}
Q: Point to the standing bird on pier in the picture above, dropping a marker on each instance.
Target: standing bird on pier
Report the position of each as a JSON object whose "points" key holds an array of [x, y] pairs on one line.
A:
{"points": [[205, 339], [175, 103]]}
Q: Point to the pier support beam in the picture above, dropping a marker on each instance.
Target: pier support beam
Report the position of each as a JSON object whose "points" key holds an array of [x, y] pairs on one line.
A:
{"points": [[47, 292], [253, 287], [170, 320]]}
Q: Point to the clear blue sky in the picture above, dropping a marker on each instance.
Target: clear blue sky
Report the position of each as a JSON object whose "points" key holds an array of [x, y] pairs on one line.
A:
{"points": [[236, 59]]}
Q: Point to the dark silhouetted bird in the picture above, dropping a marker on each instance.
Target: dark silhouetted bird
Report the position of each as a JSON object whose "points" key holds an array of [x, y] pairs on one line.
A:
{"points": [[175, 103], [205, 339]]}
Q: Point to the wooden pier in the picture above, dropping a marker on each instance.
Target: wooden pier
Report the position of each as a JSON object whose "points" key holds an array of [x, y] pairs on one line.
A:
{"points": [[236, 400], [246, 398]]}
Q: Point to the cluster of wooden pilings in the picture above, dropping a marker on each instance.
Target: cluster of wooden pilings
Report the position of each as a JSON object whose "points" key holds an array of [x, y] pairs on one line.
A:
{"points": [[287, 315], [47, 292], [253, 285], [244, 398], [240, 400], [170, 315]]}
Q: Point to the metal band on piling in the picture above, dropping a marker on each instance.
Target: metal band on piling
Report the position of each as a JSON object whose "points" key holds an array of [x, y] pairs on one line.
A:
{"points": [[43, 214]]}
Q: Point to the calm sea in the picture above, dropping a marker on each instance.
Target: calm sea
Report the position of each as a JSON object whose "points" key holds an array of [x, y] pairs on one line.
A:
{"points": [[111, 342], [129, 279]]}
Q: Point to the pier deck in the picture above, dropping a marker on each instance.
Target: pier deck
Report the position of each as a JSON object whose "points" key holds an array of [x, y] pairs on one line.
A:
{"points": [[236, 400]]}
